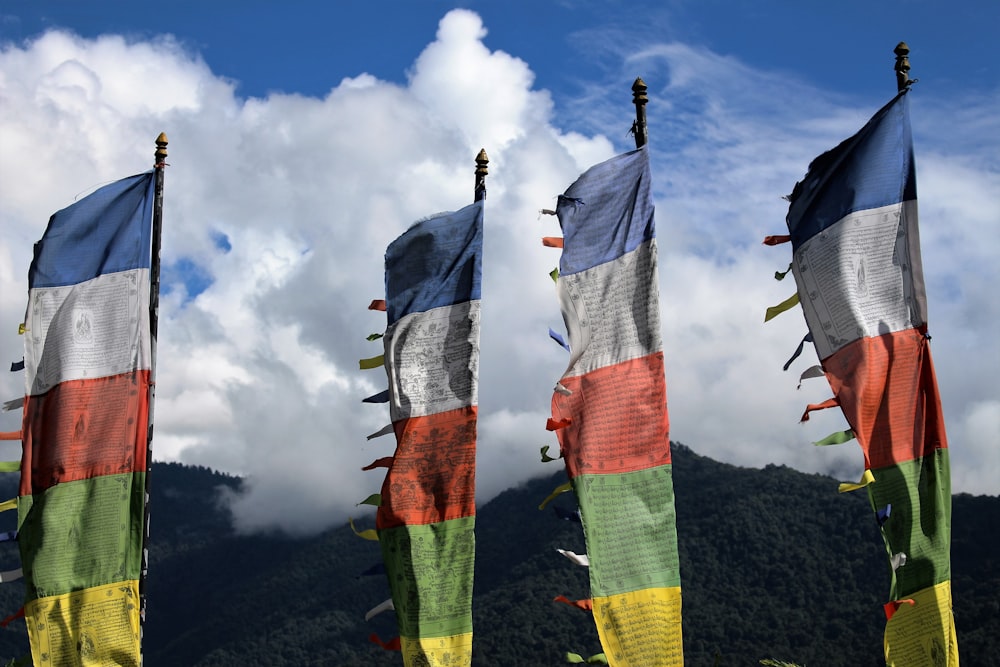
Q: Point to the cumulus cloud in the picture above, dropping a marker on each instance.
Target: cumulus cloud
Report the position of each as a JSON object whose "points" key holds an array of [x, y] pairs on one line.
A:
{"points": [[278, 211]]}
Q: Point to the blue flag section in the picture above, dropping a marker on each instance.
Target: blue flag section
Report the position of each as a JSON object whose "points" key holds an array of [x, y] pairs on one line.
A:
{"points": [[436, 262], [873, 168], [612, 212], [106, 232]]}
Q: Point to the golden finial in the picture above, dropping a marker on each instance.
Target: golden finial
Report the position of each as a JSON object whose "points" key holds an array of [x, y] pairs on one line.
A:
{"points": [[482, 168]]}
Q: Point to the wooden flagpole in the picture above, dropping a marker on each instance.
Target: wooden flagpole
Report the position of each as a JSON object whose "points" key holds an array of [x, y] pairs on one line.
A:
{"points": [[639, 99], [159, 166]]}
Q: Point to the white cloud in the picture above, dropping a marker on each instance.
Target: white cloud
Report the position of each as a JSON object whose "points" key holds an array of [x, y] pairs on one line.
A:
{"points": [[258, 373], [977, 433], [485, 95]]}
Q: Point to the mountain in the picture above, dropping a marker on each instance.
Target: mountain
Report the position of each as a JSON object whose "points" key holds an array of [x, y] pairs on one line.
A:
{"points": [[774, 564]]}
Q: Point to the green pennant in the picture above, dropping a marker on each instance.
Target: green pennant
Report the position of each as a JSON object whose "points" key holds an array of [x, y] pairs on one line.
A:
{"points": [[774, 311], [545, 455], [374, 499], [562, 488], [838, 438], [373, 362]]}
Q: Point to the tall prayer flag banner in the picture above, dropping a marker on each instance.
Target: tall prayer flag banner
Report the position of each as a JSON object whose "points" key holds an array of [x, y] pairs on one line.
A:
{"points": [[426, 519], [609, 411], [852, 222], [88, 361]]}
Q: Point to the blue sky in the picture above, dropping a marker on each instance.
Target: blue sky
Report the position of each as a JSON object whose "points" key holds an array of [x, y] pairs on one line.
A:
{"points": [[305, 136], [306, 47]]}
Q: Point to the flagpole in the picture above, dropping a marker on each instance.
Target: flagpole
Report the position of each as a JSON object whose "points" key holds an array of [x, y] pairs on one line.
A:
{"points": [[639, 99], [482, 168], [902, 67], [159, 167]]}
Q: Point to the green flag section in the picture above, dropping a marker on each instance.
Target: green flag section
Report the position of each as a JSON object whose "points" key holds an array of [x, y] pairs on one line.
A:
{"points": [[431, 578], [81, 534], [627, 518], [629, 522], [919, 526]]}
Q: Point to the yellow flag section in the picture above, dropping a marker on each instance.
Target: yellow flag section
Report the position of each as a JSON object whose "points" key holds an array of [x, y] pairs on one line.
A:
{"points": [[454, 650], [921, 630], [609, 411], [651, 607], [98, 626]]}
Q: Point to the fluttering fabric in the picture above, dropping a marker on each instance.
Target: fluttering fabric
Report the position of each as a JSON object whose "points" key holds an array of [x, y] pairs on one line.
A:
{"points": [[426, 519], [609, 411], [856, 261], [82, 493]]}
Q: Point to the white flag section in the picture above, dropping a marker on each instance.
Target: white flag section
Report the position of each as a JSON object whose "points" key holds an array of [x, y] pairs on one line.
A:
{"points": [[862, 276], [433, 359], [96, 328], [608, 317]]}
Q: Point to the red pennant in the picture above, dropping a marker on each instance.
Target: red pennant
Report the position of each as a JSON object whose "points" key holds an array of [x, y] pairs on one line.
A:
{"points": [[13, 617], [892, 607], [777, 239], [391, 645], [552, 241], [377, 304], [555, 425], [384, 462]]}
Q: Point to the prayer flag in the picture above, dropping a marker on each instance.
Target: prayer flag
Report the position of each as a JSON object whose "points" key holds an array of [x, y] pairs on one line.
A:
{"points": [[615, 439], [427, 517], [856, 261], [88, 359]]}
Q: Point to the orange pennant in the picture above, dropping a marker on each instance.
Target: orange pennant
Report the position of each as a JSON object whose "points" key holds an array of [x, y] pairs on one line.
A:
{"points": [[586, 605], [812, 407]]}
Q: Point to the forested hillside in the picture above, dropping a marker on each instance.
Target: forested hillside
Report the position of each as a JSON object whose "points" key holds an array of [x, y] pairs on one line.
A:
{"points": [[775, 564]]}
